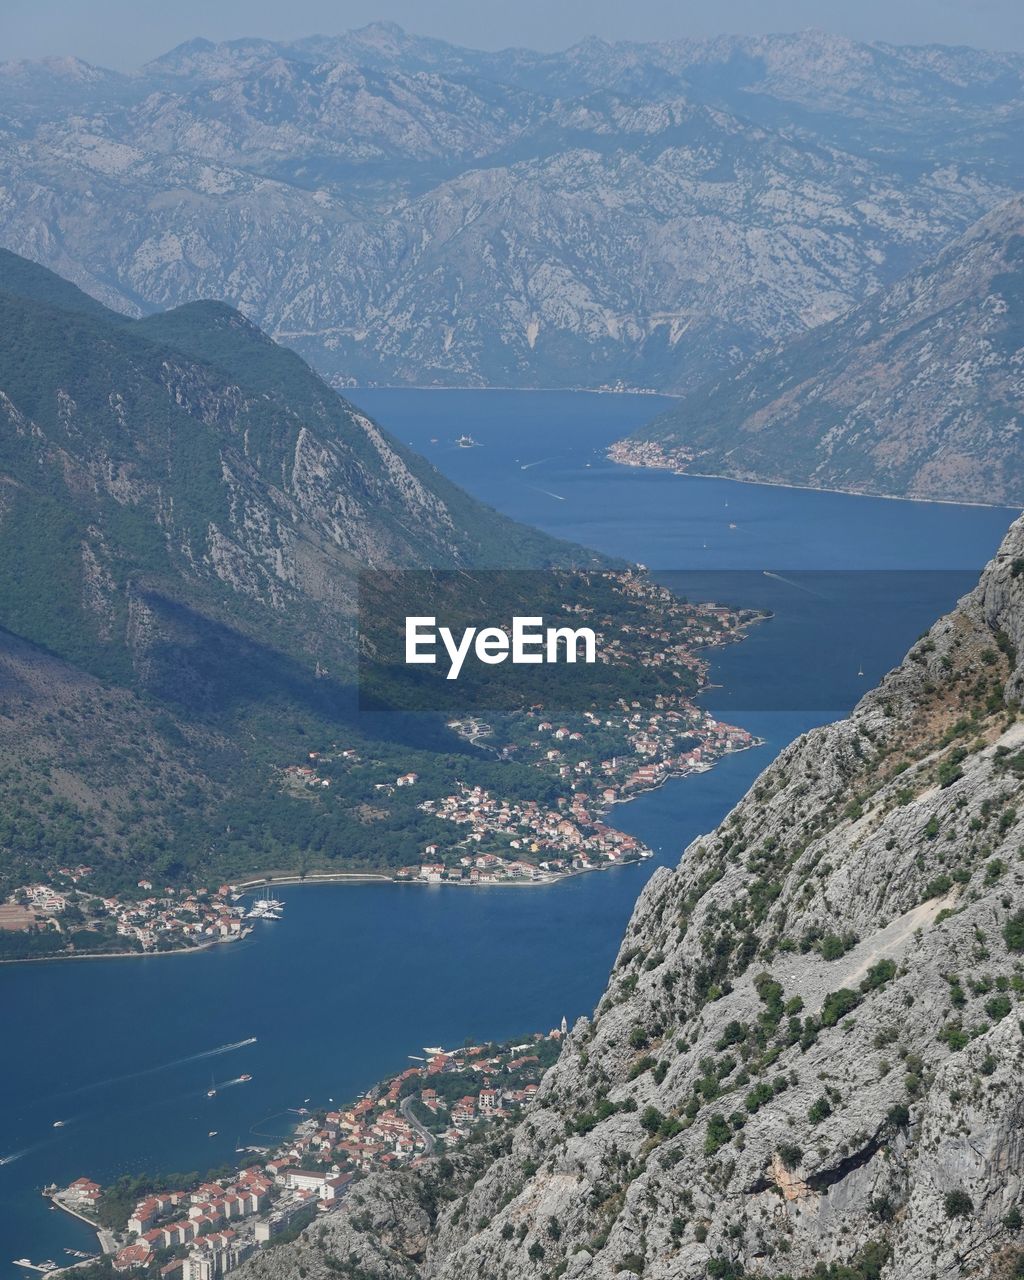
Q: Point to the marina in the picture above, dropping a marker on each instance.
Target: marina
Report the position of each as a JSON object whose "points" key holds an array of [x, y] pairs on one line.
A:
{"points": [[266, 909]]}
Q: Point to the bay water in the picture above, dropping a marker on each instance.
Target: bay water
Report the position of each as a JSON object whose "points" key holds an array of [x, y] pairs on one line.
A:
{"points": [[357, 977]]}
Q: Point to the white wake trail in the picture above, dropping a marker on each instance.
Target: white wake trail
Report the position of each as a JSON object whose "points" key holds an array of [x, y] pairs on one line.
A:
{"points": [[162, 1066]]}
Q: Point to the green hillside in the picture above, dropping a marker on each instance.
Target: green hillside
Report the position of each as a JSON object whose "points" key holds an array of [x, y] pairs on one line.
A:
{"points": [[184, 511]]}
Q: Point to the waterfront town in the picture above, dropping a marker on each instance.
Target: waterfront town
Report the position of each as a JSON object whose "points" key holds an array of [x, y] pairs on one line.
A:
{"points": [[541, 818], [587, 759], [204, 1231], [507, 840], [64, 916], [649, 453]]}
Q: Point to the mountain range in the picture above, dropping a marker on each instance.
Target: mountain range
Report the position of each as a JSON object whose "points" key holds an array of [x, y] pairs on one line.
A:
{"points": [[917, 392], [402, 210]]}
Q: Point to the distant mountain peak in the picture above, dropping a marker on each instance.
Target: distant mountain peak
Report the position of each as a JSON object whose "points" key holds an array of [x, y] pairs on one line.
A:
{"points": [[383, 27], [403, 210], [187, 49]]}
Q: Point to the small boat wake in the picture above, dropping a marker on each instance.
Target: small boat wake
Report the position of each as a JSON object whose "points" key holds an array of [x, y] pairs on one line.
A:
{"points": [[547, 493], [767, 573], [162, 1066], [229, 1084], [12, 1156], [211, 1053]]}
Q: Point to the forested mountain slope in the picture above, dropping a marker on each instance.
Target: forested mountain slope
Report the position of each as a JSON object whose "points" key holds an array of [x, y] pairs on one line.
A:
{"points": [[186, 459], [184, 511]]}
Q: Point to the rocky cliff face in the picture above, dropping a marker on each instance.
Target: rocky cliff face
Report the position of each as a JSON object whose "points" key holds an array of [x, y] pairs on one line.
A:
{"points": [[917, 392], [809, 1050], [407, 211]]}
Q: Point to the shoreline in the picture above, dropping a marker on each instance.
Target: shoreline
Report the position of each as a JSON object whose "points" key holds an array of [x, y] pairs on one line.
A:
{"points": [[813, 488], [369, 877], [573, 391], [318, 877], [128, 955], [546, 881], [104, 1240]]}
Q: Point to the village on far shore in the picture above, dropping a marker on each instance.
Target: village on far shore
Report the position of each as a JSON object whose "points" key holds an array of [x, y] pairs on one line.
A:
{"points": [[650, 453], [587, 759], [527, 841], [144, 920], [206, 1229], [508, 840]]}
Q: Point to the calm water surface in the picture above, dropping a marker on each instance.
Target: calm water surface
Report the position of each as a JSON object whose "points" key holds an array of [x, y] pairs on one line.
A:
{"points": [[357, 977]]}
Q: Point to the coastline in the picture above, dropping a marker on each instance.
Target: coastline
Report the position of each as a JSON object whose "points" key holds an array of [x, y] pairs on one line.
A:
{"points": [[103, 1236], [275, 878], [128, 955], [318, 877], [813, 488], [588, 391]]}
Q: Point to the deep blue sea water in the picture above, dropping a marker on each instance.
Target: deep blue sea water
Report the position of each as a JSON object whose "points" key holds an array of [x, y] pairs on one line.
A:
{"points": [[357, 977]]}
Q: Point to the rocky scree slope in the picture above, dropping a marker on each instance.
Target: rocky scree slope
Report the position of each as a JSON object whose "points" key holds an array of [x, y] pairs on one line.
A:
{"points": [[810, 1048], [917, 392]]}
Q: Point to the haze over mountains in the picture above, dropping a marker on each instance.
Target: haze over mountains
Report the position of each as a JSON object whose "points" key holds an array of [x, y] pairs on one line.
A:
{"points": [[404, 210], [807, 1060]]}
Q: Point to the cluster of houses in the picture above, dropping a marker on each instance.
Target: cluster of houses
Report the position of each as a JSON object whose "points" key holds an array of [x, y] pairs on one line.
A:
{"points": [[204, 1220], [534, 842], [509, 840], [595, 759], [450, 1093], [649, 453], [656, 740], [178, 916], [208, 1230], [161, 919]]}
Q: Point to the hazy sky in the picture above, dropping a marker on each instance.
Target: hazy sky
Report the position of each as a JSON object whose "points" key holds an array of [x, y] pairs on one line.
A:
{"points": [[125, 33]]}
